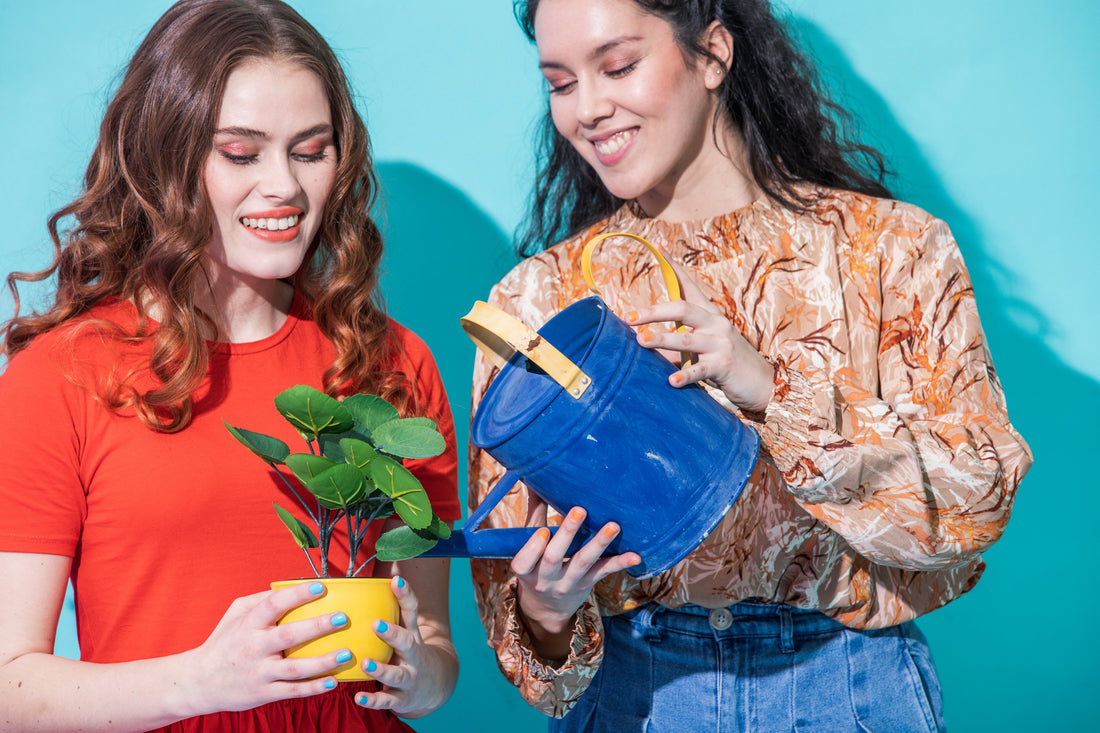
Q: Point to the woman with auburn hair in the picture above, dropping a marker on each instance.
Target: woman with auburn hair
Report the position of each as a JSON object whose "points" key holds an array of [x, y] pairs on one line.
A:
{"points": [[839, 323], [221, 251]]}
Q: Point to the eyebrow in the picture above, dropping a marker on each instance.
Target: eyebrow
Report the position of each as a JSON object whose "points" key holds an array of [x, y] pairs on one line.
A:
{"points": [[596, 52], [236, 131]]}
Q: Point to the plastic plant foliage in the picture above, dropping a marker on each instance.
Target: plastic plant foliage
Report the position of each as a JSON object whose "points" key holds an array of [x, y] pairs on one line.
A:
{"points": [[352, 474]]}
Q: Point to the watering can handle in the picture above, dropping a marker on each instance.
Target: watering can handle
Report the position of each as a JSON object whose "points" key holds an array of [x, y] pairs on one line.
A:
{"points": [[669, 275], [499, 336]]}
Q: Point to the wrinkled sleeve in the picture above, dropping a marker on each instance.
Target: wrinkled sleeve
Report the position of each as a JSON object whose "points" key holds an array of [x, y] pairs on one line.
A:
{"points": [[551, 686], [921, 474]]}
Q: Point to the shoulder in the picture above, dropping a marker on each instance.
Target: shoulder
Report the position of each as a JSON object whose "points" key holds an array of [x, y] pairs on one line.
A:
{"points": [[860, 220], [413, 351]]}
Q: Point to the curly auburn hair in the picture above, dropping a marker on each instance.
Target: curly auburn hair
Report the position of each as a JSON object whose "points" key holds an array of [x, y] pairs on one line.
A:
{"points": [[793, 132], [143, 220]]}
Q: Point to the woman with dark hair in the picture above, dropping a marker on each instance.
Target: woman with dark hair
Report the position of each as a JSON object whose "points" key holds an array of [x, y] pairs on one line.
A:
{"points": [[837, 322], [222, 250]]}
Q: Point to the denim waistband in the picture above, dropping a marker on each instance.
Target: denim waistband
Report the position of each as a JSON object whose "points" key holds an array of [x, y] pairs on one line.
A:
{"points": [[749, 619]]}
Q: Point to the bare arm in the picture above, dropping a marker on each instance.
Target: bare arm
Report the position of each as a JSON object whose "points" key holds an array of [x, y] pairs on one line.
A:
{"points": [[238, 667]]}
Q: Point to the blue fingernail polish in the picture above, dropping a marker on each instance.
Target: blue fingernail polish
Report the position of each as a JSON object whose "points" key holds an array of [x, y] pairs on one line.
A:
{"points": [[400, 582], [344, 656], [329, 684], [382, 627], [370, 666], [339, 619], [316, 588]]}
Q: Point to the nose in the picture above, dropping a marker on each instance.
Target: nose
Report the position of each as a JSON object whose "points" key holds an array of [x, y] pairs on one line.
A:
{"points": [[593, 102], [278, 180]]}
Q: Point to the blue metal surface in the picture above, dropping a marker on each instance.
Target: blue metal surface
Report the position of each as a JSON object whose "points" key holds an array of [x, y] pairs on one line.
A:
{"points": [[666, 464]]}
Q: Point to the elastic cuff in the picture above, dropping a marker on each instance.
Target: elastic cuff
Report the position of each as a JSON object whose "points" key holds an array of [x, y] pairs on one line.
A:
{"points": [[788, 417], [586, 643]]}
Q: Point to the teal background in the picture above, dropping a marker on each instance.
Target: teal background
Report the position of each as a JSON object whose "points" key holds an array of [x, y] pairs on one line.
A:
{"points": [[987, 110]]}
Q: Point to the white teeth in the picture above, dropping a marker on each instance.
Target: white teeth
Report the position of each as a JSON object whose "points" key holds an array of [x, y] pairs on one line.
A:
{"points": [[271, 224], [614, 143]]}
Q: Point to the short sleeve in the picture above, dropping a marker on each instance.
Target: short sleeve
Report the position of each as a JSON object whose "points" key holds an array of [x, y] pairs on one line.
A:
{"points": [[41, 491]]}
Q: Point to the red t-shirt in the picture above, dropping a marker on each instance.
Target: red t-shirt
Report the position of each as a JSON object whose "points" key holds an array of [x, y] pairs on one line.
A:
{"points": [[165, 530]]}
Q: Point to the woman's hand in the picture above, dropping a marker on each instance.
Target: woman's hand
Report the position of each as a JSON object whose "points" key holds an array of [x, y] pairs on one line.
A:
{"points": [[723, 356], [241, 664], [412, 682], [551, 589]]}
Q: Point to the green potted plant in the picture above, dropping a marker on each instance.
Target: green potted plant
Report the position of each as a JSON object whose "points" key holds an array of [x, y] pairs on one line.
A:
{"points": [[352, 476]]}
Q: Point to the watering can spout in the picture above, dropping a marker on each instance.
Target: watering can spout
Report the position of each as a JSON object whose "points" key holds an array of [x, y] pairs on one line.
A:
{"points": [[499, 543]]}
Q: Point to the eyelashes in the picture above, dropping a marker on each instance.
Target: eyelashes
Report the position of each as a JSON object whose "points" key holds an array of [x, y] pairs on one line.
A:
{"points": [[616, 73], [249, 159]]}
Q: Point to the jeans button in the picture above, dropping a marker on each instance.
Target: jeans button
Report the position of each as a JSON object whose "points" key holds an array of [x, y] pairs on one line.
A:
{"points": [[721, 619]]}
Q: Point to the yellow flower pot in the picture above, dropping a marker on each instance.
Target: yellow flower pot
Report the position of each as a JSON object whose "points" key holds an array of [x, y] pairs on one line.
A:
{"points": [[363, 600]]}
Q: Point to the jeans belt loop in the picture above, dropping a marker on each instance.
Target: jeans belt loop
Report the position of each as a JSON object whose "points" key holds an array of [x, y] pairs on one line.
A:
{"points": [[786, 630], [642, 625]]}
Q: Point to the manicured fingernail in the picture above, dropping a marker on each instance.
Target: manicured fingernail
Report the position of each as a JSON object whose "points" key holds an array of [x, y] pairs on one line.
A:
{"points": [[316, 588], [361, 699], [370, 666], [632, 316], [635, 561], [576, 513], [339, 619], [676, 379], [400, 582], [543, 533], [344, 656], [329, 684], [610, 530], [382, 627]]}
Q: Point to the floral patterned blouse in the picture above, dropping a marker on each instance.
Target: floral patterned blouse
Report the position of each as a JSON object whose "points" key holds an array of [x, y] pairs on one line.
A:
{"points": [[888, 464]]}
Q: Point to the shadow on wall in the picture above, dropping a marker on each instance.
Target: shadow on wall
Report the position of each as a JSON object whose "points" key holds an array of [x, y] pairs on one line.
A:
{"points": [[997, 643], [442, 254]]}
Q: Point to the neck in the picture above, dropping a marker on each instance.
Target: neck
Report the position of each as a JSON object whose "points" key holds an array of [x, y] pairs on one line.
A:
{"points": [[241, 314], [717, 181]]}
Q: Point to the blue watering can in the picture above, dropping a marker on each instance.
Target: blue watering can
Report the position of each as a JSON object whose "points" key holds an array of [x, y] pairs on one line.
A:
{"points": [[584, 416]]}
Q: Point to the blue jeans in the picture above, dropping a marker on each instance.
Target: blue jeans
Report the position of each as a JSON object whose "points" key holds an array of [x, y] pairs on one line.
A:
{"points": [[756, 667]]}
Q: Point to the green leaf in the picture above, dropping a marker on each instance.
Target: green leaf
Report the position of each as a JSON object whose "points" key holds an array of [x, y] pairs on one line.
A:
{"points": [[307, 466], [408, 439], [270, 449], [370, 411], [339, 487], [303, 535], [421, 421], [312, 412], [409, 498], [357, 452], [403, 543], [439, 528]]}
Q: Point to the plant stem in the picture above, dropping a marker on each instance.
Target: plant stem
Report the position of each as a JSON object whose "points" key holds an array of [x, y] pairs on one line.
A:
{"points": [[365, 564], [311, 565], [295, 492]]}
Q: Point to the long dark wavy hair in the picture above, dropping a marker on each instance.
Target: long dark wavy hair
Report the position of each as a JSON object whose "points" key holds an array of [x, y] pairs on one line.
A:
{"points": [[143, 221], [793, 132]]}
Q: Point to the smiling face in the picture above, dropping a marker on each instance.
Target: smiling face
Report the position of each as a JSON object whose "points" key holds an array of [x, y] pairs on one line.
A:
{"points": [[269, 172], [632, 102]]}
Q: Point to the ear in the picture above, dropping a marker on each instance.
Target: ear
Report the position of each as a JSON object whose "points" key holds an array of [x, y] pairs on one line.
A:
{"points": [[718, 41]]}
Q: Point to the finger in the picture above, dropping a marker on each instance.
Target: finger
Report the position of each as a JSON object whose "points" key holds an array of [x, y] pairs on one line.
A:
{"points": [[303, 668], [294, 633], [400, 638], [381, 700], [563, 538], [407, 601], [391, 675], [591, 553], [276, 603], [608, 566], [528, 557], [305, 688]]}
